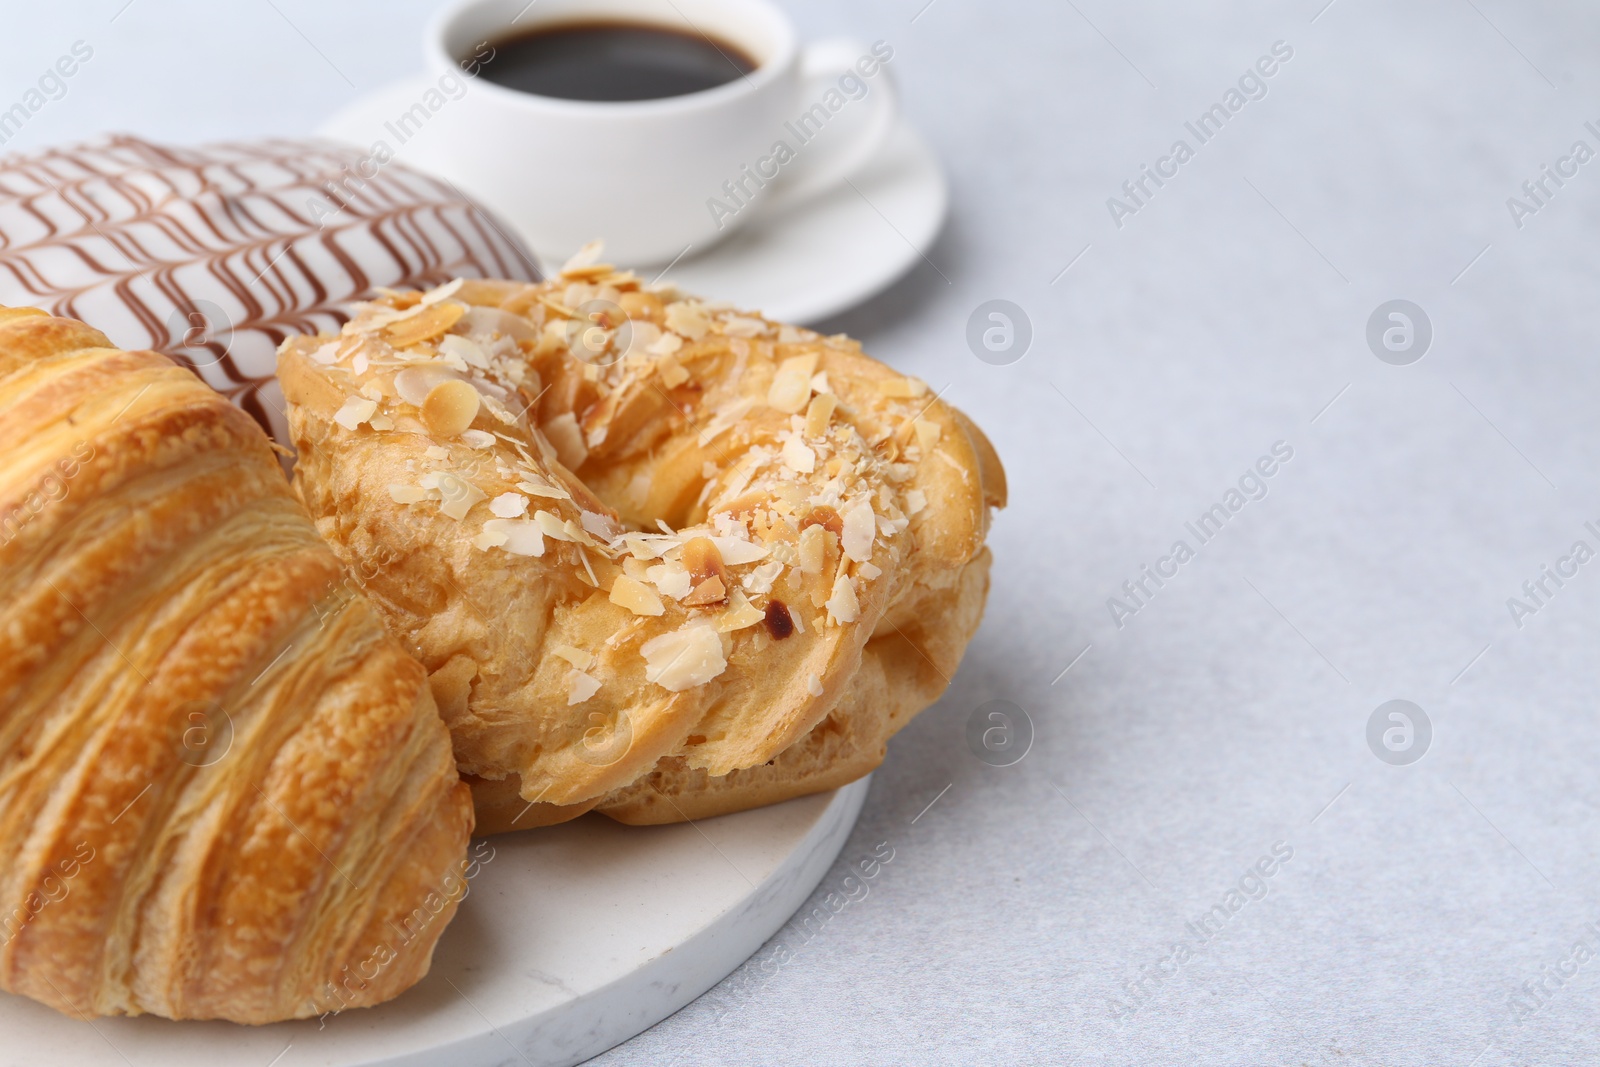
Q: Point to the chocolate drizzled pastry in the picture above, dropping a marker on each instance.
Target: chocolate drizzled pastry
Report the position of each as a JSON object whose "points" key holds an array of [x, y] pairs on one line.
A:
{"points": [[214, 255]]}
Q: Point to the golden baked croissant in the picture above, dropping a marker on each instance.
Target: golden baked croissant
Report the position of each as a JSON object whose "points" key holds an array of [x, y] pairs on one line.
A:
{"points": [[225, 791], [659, 557]]}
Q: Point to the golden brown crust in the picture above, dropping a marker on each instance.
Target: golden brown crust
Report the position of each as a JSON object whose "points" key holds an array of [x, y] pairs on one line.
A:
{"points": [[672, 554], [223, 786], [905, 666]]}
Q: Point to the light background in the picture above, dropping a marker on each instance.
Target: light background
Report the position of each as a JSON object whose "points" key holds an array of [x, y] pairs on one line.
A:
{"points": [[1230, 713]]}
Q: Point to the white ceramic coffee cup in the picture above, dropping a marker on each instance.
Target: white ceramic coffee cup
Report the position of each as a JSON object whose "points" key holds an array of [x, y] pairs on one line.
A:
{"points": [[646, 176]]}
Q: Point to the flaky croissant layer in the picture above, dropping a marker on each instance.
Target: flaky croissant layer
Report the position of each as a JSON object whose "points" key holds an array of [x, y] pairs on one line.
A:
{"points": [[225, 791]]}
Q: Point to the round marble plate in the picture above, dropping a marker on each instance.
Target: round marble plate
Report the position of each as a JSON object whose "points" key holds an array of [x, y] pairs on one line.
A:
{"points": [[800, 265], [571, 939]]}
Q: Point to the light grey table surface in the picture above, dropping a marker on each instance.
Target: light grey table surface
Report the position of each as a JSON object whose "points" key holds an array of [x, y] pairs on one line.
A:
{"points": [[1429, 913]]}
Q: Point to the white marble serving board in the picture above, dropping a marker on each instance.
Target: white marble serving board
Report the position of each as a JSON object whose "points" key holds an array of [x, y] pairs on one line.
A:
{"points": [[572, 939]]}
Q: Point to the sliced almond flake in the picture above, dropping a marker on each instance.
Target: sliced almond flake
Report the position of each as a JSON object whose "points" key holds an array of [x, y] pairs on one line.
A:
{"points": [[499, 411], [927, 433], [464, 349], [327, 354], [442, 292], [541, 490], [798, 457], [743, 326], [583, 557], [488, 539], [724, 419], [414, 382], [737, 550], [596, 524], [687, 319], [553, 328], [740, 477], [684, 658], [355, 411], [509, 505], [760, 580], [382, 423], [478, 439], [799, 622], [636, 597], [587, 256], [813, 549], [665, 345], [552, 525], [575, 656], [407, 494], [859, 529], [672, 372], [438, 453], [450, 407], [739, 614], [820, 383], [522, 537], [578, 535], [791, 385], [485, 321], [916, 500], [650, 546], [813, 684], [639, 335], [580, 687], [869, 571], [430, 322], [672, 579], [457, 495], [818, 414], [563, 433], [793, 335], [902, 388]]}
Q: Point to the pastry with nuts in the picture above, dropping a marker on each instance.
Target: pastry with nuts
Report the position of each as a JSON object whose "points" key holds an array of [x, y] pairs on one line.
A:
{"points": [[660, 558]]}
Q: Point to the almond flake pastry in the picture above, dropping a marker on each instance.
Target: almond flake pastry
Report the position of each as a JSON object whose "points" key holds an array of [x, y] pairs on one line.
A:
{"points": [[661, 558]]}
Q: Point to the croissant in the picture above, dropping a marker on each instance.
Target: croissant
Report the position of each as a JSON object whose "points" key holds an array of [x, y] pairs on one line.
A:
{"points": [[225, 791]]}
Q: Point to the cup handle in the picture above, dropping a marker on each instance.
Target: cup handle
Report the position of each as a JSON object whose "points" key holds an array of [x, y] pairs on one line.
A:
{"points": [[820, 167]]}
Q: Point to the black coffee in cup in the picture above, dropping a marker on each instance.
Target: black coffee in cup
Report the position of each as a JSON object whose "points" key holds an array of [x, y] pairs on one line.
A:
{"points": [[613, 61]]}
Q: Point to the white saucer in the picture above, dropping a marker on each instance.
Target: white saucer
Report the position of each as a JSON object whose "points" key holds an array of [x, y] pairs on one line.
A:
{"points": [[806, 264], [572, 939]]}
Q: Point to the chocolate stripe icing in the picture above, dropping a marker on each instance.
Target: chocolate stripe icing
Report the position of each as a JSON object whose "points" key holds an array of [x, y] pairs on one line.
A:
{"points": [[215, 254]]}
